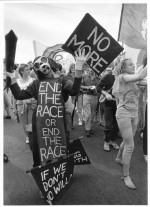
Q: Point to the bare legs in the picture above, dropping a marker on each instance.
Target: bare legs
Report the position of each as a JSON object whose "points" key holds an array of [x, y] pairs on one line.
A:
{"points": [[119, 155], [127, 128]]}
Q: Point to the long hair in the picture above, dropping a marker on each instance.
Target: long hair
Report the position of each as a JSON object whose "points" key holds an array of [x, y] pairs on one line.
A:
{"points": [[119, 66]]}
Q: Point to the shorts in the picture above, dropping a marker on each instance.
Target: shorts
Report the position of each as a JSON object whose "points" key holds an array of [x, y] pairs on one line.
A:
{"points": [[124, 113]]}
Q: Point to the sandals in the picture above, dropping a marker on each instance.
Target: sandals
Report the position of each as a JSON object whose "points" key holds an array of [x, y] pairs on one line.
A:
{"points": [[5, 158]]}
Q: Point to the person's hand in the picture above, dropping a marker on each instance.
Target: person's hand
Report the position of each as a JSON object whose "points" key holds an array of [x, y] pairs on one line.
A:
{"points": [[143, 72], [108, 97], [81, 58], [142, 82], [8, 74]]}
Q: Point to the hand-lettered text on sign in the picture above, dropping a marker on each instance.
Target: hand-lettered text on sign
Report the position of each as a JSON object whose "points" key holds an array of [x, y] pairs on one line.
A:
{"points": [[53, 178], [50, 115], [97, 42]]}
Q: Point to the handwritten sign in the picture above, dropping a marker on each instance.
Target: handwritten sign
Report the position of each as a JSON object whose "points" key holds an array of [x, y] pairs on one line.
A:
{"points": [[80, 157], [96, 41], [54, 178], [50, 119]]}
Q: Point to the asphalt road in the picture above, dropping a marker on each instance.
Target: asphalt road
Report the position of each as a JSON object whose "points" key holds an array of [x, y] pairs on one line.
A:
{"points": [[96, 184]]}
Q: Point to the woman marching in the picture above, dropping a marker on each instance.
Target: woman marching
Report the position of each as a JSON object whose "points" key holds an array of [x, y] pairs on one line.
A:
{"points": [[25, 107], [126, 93]]}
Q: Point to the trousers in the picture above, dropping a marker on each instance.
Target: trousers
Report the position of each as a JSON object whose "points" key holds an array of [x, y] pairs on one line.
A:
{"points": [[89, 109], [111, 127]]}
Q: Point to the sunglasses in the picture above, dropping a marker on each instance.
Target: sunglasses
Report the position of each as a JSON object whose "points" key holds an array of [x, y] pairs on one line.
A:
{"points": [[42, 64]]}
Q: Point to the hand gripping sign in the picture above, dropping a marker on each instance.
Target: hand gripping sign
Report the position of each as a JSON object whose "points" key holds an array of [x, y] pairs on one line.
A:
{"points": [[96, 41]]}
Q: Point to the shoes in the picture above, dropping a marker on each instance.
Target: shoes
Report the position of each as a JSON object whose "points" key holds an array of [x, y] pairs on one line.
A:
{"points": [[87, 133], [106, 146], [114, 145], [7, 117], [95, 120], [145, 158], [5, 158], [83, 122], [80, 123], [27, 140]]}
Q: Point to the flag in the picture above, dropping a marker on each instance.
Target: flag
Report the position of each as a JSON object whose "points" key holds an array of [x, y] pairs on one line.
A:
{"points": [[38, 48], [80, 157], [133, 26], [54, 179]]}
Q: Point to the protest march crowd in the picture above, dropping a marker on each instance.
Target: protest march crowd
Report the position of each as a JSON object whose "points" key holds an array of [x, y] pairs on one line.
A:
{"points": [[45, 96], [112, 99]]}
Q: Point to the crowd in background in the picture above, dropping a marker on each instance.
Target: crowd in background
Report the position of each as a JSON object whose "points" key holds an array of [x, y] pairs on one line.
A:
{"points": [[112, 99]]}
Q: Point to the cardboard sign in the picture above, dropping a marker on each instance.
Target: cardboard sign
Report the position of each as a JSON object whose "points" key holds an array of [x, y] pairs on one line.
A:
{"points": [[51, 134], [54, 178], [96, 41], [80, 157]]}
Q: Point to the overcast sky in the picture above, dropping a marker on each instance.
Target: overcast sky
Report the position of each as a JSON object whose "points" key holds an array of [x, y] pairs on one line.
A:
{"points": [[52, 24]]}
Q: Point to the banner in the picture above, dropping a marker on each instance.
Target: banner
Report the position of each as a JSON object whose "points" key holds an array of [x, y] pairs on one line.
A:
{"points": [[51, 51], [60, 56], [96, 41], [54, 178], [133, 26], [80, 157]]}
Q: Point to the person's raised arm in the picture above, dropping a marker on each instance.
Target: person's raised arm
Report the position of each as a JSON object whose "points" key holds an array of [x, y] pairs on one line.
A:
{"points": [[136, 77], [30, 92], [73, 88]]}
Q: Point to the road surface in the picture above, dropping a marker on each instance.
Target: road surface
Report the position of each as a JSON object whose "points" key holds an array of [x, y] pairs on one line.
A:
{"points": [[96, 184]]}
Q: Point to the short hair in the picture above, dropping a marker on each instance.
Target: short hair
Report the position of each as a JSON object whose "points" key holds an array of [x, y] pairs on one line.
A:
{"points": [[21, 68]]}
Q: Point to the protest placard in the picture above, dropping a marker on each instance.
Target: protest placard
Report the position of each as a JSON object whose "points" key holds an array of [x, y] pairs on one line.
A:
{"points": [[51, 134], [80, 156], [97, 42], [54, 178]]}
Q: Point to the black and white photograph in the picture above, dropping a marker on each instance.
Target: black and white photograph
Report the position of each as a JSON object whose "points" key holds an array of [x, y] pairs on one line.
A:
{"points": [[74, 102]]}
